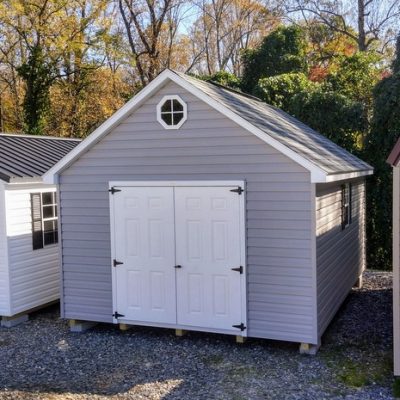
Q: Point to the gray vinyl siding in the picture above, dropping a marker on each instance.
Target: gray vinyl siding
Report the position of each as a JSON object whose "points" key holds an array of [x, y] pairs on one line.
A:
{"points": [[207, 147], [340, 253], [34, 274]]}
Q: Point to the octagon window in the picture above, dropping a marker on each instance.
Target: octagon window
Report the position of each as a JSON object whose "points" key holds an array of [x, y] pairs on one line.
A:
{"points": [[171, 112]]}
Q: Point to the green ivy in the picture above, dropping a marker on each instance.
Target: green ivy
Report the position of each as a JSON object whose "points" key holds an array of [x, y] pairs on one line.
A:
{"points": [[38, 75], [283, 51], [385, 131], [279, 90]]}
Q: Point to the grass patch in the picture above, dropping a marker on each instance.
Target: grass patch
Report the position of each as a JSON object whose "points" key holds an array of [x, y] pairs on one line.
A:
{"points": [[361, 372], [213, 360], [396, 387]]}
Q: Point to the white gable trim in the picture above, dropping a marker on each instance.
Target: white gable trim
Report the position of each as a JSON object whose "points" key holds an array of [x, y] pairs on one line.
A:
{"points": [[317, 174]]}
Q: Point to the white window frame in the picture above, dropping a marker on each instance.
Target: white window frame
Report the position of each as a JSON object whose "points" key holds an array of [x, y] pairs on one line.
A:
{"points": [[346, 203], [160, 113], [55, 212]]}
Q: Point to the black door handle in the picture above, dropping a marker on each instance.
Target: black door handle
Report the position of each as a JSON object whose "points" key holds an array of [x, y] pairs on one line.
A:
{"points": [[178, 266]]}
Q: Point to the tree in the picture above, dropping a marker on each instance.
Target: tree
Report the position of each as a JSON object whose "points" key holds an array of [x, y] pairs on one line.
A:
{"points": [[282, 51], [384, 134], [332, 114], [356, 76], [51, 40], [369, 23], [224, 78], [151, 26], [223, 29], [38, 75], [279, 90]]}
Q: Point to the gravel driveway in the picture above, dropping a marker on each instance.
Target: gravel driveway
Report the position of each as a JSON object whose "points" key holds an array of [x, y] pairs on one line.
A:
{"points": [[41, 359]]}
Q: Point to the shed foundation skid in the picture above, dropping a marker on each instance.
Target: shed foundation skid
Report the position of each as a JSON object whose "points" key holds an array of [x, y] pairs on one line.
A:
{"points": [[77, 326]]}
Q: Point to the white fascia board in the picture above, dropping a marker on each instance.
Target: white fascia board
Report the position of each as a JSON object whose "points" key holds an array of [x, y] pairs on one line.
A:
{"points": [[350, 175], [317, 174]]}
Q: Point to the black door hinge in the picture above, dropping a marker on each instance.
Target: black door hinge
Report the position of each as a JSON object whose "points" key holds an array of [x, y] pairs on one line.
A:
{"points": [[238, 269], [116, 315], [115, 262], [241, 326], [113, 190], [239, 190]]}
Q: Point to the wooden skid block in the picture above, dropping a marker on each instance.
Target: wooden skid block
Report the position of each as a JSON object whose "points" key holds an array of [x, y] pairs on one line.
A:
{"points": [[240, 339], [359, 282], [309, 349], [124, 327], [80, 326], [10, 322], [180, 332]]}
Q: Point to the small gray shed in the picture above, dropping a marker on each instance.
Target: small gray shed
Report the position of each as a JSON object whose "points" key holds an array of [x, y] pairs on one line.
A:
{"points": [[196, 207], [29, 262]]}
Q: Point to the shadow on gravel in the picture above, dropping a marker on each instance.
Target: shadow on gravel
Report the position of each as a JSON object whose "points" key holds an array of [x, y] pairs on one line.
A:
{"points": [[42, 357]]}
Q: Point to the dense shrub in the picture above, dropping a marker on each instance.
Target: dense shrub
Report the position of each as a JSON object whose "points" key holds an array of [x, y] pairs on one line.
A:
{"points": [[283, 51]]}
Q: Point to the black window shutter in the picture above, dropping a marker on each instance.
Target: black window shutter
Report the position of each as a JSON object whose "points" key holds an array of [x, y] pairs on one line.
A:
{"points": [[37, 233]]}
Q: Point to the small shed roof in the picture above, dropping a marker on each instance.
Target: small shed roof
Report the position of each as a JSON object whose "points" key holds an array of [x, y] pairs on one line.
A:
{"points": [[325, 160], [30, 156], [394, 156]]}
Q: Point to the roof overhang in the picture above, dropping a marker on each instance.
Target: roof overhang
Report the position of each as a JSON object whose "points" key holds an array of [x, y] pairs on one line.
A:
{"points": [[348, 175], [394, 156], [318, 175]]}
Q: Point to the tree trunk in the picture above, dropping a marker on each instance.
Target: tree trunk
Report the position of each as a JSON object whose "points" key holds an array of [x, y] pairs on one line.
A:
{"points": [[362, 42]]}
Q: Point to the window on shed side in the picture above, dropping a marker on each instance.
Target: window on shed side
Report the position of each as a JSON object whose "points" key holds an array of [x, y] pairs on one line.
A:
{"points": [[346, 205], [44, 219]]}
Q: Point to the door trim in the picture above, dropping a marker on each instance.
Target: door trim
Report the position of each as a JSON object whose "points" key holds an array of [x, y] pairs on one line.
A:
{"points": [[242, 229]]}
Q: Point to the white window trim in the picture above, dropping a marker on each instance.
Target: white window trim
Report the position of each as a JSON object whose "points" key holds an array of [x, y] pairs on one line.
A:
{"points": [[55, 218], [159, 112], [347, 203]]}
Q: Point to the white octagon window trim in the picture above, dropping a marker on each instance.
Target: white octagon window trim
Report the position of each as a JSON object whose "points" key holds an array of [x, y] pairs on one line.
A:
{"points": [[165, 112]]}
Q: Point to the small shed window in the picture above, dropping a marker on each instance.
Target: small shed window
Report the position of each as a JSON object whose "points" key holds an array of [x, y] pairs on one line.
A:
{"points": [[44, 219], [346, 205], [171, 112]]}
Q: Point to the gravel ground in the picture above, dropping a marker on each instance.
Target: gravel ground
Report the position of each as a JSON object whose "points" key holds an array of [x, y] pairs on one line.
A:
{"points": [[41, 359]]}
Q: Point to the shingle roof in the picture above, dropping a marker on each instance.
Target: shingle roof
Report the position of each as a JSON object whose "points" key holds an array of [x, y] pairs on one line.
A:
{"points": [[282, 127], [28, 156]]}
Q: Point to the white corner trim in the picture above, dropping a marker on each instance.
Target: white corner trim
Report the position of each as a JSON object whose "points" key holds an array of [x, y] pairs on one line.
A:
{"points": [[318, 175], [160, 113]]}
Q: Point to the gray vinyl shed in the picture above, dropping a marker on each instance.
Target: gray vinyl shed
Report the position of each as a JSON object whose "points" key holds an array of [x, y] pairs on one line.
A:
{"points": [[196, 207]]}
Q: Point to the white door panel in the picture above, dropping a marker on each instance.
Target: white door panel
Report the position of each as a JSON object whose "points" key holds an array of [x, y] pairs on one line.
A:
{"points": [[144, 243], [208, 247]]}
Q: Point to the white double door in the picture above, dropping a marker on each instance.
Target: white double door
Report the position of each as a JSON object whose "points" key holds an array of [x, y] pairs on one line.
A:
{"points": [[177, 246]]}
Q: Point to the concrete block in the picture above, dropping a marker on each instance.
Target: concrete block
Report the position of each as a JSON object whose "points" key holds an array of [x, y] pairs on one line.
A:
{"points": [[180, 332], [10, 322]]}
